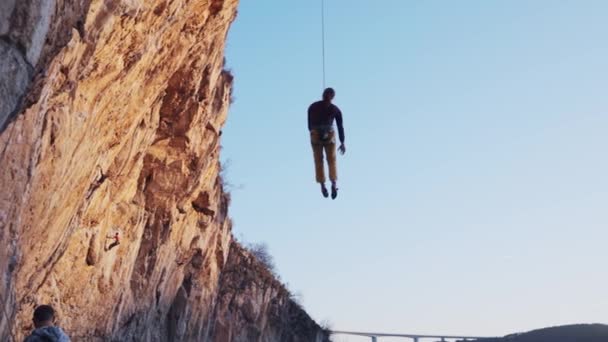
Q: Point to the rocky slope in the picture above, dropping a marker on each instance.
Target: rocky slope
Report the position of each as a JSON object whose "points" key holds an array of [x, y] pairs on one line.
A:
{"points": [[566, 333], [110, 119]]}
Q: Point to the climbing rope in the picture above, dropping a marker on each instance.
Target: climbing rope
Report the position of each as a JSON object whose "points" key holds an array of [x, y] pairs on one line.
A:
{"points": [[323, 38]]}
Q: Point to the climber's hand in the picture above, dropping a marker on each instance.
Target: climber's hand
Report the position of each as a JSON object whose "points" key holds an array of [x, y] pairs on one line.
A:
{"points": [[342, 149]]}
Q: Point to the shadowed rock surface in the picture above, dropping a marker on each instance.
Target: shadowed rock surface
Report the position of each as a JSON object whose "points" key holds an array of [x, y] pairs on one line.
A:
{"points": [[254, 306]]}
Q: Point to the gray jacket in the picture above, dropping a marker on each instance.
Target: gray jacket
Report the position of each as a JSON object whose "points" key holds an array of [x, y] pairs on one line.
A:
{"points": [[48, 334]]}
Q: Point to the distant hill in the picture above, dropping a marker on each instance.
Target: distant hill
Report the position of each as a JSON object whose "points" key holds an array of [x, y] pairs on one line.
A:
{"points": [[566, 333]]}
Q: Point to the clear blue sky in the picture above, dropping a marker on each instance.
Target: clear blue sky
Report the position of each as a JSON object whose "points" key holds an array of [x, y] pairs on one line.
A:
{"points": [[474, 192]]}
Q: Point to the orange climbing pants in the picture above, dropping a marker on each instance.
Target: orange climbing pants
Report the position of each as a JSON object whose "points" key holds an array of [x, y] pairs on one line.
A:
{"points": [[329, 146]]}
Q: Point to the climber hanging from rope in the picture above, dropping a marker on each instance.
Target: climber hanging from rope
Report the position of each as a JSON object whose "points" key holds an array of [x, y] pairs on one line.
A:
{"points": [[321, 116]]}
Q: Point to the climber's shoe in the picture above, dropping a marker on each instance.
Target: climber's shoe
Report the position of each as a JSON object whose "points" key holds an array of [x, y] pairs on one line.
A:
{"points": [[334, 191], [324, 191]]}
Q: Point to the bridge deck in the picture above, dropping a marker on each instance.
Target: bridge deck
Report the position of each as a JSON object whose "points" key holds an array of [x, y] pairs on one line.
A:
{"points": [[415, 337]]}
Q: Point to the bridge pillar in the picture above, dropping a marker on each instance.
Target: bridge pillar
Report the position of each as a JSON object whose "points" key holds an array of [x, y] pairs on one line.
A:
{"points": [[374, 339], [415, 339]]}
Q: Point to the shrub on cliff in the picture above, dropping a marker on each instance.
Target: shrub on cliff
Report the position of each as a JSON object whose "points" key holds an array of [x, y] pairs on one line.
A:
{"points": [[260, 252]]}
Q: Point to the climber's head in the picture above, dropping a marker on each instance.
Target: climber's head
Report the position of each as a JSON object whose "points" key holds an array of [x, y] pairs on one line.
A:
{"points": [[329, 94], [44, 315]]}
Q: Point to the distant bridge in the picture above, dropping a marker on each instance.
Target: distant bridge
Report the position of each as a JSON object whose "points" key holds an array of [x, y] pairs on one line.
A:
{"points": [[412, 337]]}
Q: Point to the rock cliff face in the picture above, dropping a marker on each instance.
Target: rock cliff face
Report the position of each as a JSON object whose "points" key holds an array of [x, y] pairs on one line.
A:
{"points": [[253, 306], [110, 122]]}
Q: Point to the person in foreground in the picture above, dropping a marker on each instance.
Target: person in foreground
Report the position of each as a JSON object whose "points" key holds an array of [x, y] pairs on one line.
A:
{"points": [[321, 116], [46, 331]]}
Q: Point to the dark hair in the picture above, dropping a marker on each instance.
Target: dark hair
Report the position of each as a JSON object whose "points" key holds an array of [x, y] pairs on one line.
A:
{"points": [[329, 93], [43, 313]]}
